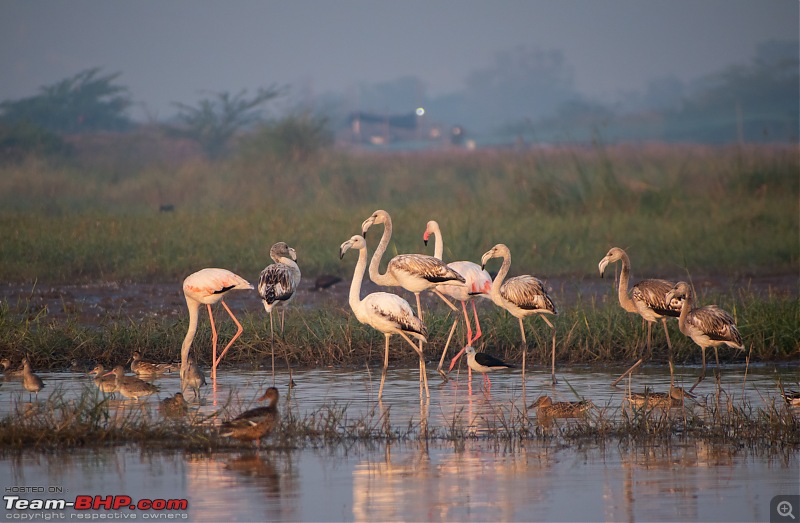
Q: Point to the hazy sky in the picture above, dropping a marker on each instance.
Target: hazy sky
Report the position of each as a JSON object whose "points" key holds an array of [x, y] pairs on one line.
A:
{"points": [[177, 50]]}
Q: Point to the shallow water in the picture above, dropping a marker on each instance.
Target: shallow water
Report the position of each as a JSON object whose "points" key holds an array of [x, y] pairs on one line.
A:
{"points": [[472, 479]]}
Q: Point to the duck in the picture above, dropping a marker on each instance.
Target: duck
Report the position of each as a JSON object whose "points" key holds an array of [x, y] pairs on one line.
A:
{"points": [[150, 368], [665, 400], [257, 423], [30, 381], [545, 408], [193, 378], [131, 386], [174, 406], [8, 372], [103, 381]]}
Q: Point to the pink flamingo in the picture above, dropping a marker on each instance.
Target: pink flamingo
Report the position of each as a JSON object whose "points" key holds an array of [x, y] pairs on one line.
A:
{"points": [[478, 284], [208, 286]]}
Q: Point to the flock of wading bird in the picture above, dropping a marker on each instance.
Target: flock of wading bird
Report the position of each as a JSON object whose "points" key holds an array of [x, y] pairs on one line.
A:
{"points": [[522, 296]]}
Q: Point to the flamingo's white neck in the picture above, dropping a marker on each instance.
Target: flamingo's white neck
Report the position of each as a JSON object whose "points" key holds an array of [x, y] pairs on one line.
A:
{"points": [[438, 242], [385, 279], [194, 309], [358, 277]]}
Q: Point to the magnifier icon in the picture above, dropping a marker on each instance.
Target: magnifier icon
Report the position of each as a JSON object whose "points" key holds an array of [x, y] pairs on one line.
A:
{"points": [[785, 509]]}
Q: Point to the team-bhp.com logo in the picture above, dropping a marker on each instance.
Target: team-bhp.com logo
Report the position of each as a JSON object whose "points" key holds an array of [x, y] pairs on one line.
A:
{"points": [[87, 507]]}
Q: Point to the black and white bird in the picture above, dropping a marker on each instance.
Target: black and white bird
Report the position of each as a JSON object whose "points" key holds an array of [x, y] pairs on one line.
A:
{"points": [[484, 363], [278, 285], [708, 326], [384, 311], [522, 296], [648, 299]]}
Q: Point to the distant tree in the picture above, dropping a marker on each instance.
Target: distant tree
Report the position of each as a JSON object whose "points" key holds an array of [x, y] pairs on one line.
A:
{"points": [[20, 140], [295, 137], [521, 83], [753, 102], [85, 102], [214, 121]]}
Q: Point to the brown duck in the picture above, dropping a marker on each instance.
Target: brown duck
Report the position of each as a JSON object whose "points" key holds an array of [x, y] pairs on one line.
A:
{"points": [[563, 409], [131, 386], [256, 423]]}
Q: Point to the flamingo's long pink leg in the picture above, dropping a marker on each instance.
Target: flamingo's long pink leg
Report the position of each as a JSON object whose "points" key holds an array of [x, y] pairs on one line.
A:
{"points": [[239, 330]]}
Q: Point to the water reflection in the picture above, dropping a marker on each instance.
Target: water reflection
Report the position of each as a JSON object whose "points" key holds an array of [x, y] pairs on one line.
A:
{"points": [[467, 479]]}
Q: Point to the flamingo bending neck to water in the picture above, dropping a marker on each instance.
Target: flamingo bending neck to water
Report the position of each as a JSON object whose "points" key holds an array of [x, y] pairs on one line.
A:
{"points": [[208, 286]]}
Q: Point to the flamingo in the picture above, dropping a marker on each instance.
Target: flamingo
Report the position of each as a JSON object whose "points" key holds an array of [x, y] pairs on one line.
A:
{"points": [[413, 272], [647, 299], [477, 283], [256, 423], [521, 296], [484, 363], [708, 326], [277, 285], [208, 286], [385, 312]]}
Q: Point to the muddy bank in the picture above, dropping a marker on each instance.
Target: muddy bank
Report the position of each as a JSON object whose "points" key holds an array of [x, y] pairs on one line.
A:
{"points": [[90, 303]]}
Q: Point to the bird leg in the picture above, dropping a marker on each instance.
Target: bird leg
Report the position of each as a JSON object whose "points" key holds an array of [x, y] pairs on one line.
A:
{"points": [[446, 345], [702, 372], [239, 330], [524, 347], [419, 315], [272, 345], [442, 296], [444, 352], [423, 373], [213, 344], [385, 366], [553, 356], [639, 361], [669, 347]]}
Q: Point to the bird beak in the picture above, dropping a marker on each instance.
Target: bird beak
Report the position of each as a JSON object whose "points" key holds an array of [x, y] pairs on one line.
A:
{"points": [[344, 247], [366, 224], [485, 258], [602, 266]]}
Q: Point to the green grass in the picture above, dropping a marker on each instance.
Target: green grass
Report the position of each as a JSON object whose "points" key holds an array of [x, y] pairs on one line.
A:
{"points": [[587, 333], [674, 208]]}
